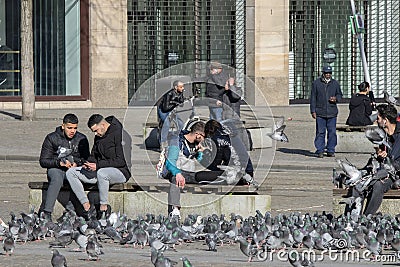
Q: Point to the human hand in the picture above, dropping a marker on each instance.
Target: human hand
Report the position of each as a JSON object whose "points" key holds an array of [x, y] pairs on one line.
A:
{"points": [[180, 180], [332, 99], [381, 153], [90, 166], [314, 115], [66, 163], [219, 103]]}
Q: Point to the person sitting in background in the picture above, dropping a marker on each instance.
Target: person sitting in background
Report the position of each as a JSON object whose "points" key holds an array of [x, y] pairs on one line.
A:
{"points": [[360, 107]]}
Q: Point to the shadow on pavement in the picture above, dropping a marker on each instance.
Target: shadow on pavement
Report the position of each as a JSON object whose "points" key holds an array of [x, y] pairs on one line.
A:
{"points": [[297, 151]]}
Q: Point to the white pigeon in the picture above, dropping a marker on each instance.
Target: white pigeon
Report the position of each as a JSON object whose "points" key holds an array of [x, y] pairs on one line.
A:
{"points": [[231, 174], [376, 135], [350, 170], [277, 131], [390, 99]]}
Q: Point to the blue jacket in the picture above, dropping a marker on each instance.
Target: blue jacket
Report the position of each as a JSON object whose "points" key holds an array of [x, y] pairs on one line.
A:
{"points": [[173, 153], [320, 94]]}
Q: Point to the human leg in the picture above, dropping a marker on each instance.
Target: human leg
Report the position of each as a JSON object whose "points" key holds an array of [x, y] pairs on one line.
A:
{"points": [[165, 124], [320, 132], [332, 138], [216, 113], [55, 178], [105, 178], [75, 179], [375, 197]]}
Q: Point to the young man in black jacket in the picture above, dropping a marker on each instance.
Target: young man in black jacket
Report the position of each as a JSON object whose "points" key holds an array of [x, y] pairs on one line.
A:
{"points": [[61, 150], [165, 105], [109, 162]]}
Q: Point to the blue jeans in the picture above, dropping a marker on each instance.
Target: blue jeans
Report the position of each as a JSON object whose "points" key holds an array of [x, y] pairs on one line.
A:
{"points": [[166, 123], [216, 113], [324, 125]]}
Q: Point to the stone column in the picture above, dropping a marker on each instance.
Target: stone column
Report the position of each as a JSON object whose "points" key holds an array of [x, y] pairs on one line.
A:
{"points": [[271, 50], [108, 53]]}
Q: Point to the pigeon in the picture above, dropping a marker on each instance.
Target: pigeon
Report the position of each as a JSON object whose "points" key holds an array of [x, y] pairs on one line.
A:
{"points": [[277, 133], [231, 174], [58, 260], [247, 248], [186, 262], [65, 154], [376, 135], [211, 241], [373, 246], [350, 170], [9, 245], [93, 248], [390, 99]]}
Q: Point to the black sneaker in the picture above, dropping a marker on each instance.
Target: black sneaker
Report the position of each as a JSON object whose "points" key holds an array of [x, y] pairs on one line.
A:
{"points": [[91, 213], [330, 154], [320, 155], [104, 213]]}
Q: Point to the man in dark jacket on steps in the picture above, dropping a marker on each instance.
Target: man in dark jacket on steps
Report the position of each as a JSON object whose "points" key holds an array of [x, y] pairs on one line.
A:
{"points": [[325, 93], [109, 162], [62, 149]]}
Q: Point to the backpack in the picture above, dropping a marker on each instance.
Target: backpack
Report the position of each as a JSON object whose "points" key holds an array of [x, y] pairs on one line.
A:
{"points": [[161, 168]]}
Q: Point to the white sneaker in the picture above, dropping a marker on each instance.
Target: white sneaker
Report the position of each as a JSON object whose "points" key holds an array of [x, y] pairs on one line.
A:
{"points": [[175, 212]]}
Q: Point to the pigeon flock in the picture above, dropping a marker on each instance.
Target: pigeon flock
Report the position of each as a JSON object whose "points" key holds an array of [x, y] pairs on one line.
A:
{"points": [[254, 236]]}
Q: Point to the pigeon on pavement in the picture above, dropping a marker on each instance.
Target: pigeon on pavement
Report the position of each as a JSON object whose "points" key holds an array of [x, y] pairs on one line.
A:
{"points": [[58, 260]]}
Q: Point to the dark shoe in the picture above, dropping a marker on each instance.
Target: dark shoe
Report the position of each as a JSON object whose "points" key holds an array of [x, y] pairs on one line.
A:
{"points": [[321, 155], [104, 213], [91, 213], [330, 154]]}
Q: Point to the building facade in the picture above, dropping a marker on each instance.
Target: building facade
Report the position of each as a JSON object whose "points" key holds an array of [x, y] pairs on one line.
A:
{"points": [[95, 53]]}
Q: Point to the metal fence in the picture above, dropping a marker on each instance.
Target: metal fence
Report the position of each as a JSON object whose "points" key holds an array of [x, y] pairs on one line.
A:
{"points": [[165, 33], [319, 28]]}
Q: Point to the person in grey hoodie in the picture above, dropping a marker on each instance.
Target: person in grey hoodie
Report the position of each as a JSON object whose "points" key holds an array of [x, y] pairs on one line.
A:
{"points": [[325, 93]]}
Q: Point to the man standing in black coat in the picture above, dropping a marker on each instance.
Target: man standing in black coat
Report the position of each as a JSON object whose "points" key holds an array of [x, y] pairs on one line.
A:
{"points": [[325, 93], [61, 150], [109, 162]]}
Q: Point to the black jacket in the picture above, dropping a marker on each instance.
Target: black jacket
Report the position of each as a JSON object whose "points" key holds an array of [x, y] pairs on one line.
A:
{"points": [[229, 152], [320, 94], [394, 152], [360, 110], [170, 100], [216, 86], [50, 156], [113, 149]]}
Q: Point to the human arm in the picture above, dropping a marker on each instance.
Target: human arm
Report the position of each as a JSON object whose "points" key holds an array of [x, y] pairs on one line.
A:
{"points": [[48, 154], [83, 150], [313, 100], [113, 154]]}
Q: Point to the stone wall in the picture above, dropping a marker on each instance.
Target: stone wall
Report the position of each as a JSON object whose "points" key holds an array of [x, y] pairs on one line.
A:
{"points": [[271, 48], [108, 53]]}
